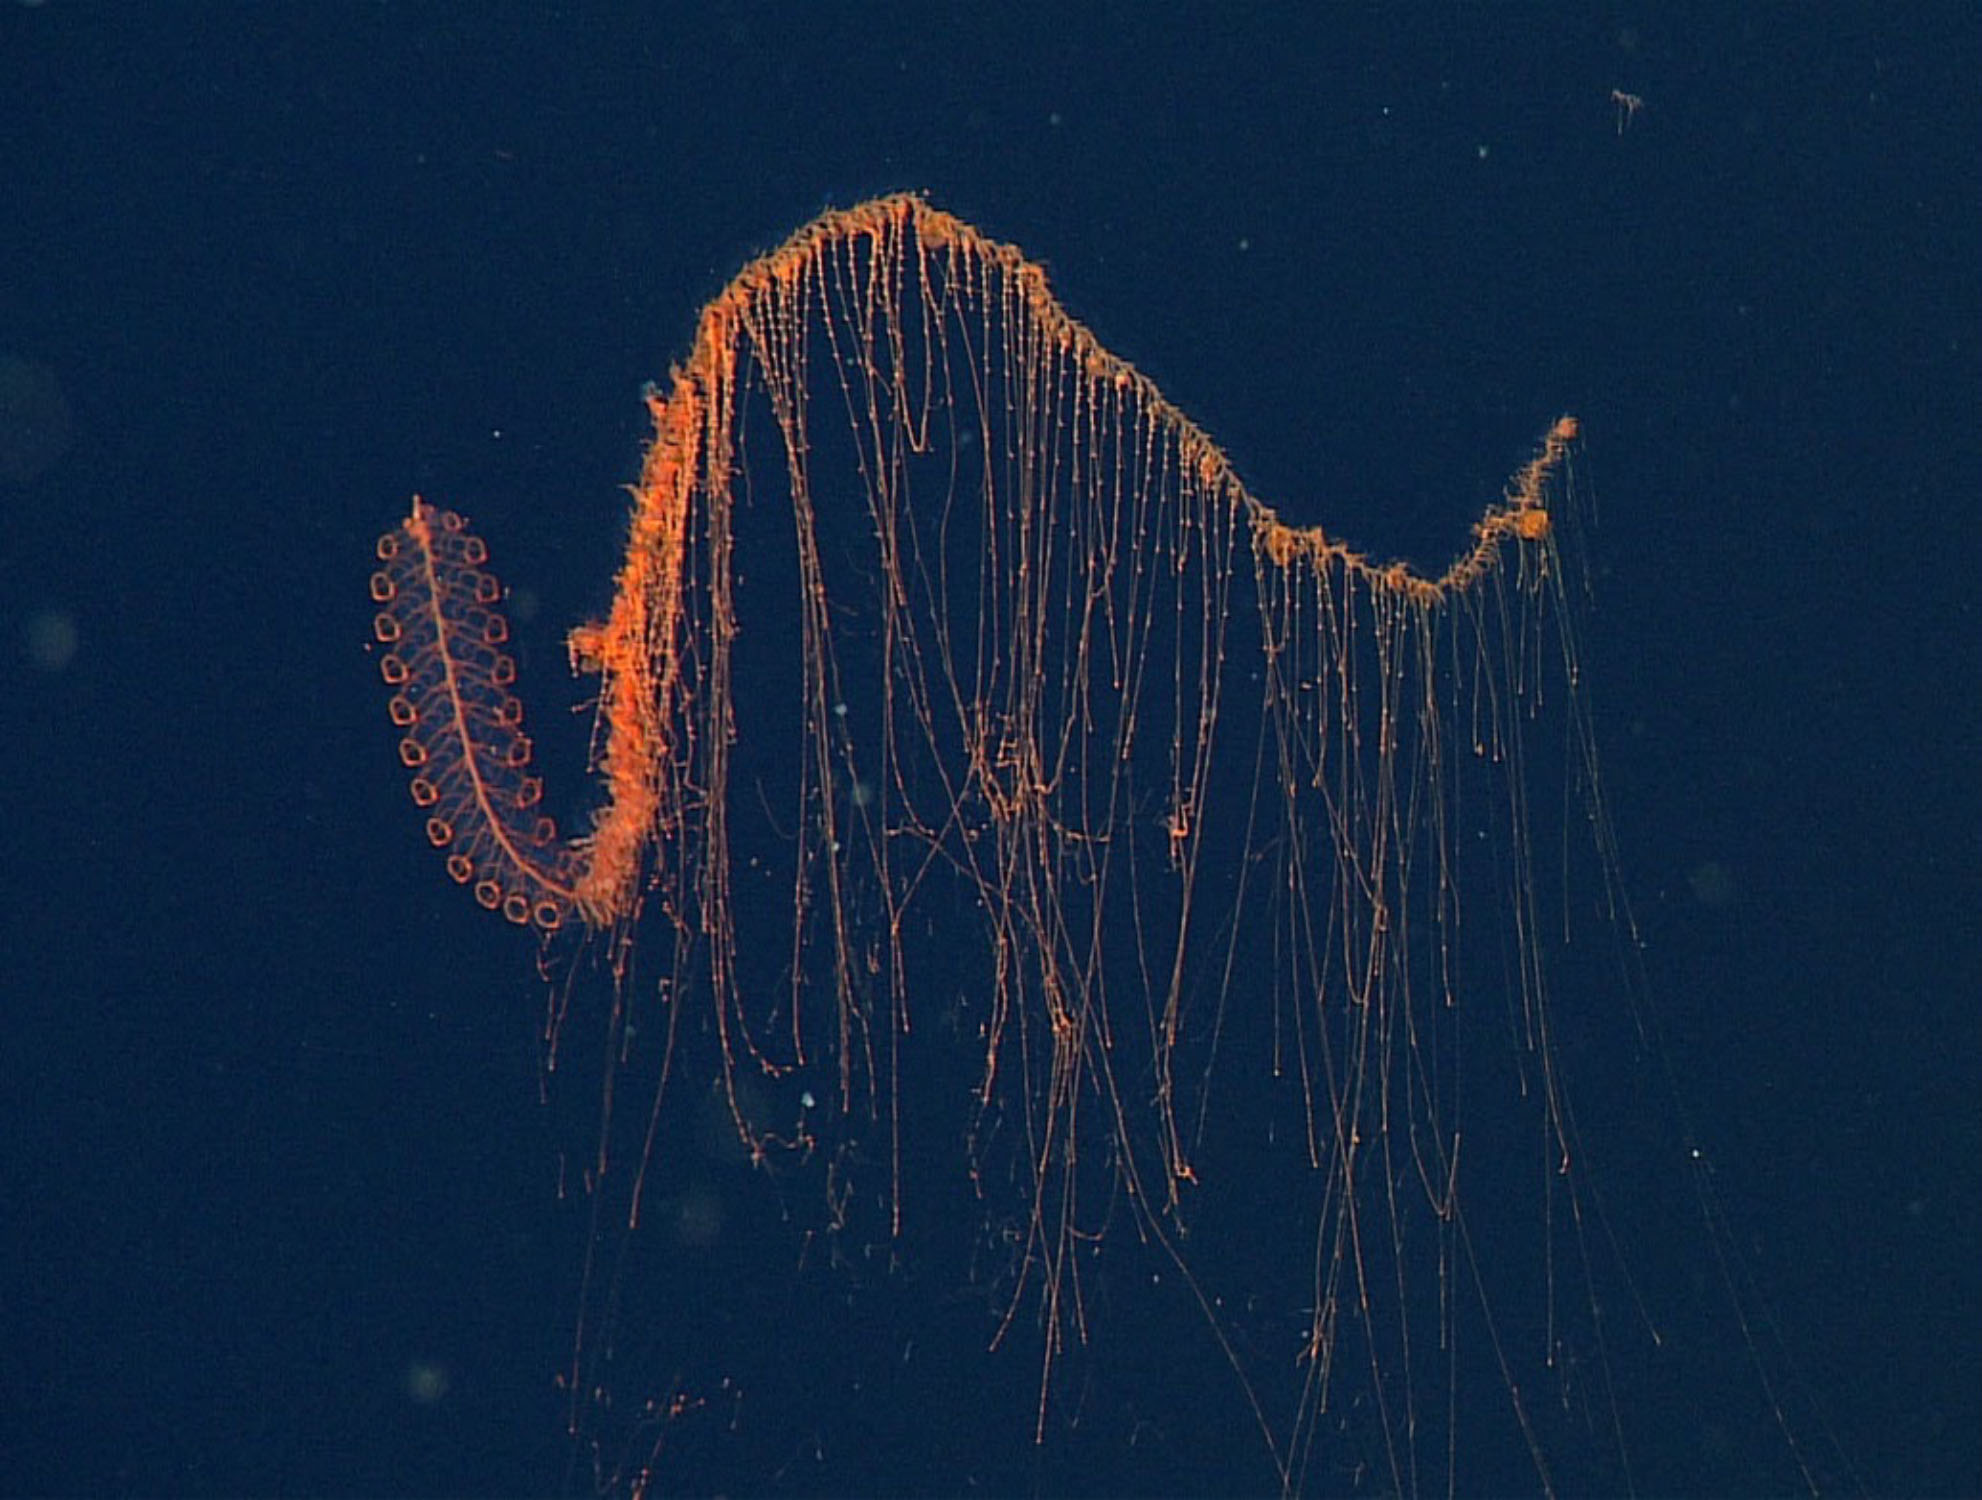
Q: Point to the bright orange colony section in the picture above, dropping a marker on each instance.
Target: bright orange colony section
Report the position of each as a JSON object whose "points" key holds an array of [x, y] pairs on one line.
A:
{"points": [[959, 703], [905, 260]]}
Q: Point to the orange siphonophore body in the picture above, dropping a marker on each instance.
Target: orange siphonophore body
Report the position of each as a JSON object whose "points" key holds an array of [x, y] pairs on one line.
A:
{"points": [[985, 764], [637, 650]]}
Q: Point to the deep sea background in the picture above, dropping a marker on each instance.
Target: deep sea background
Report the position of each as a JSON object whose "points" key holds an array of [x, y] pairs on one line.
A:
{"points": [[276, 1195]]}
